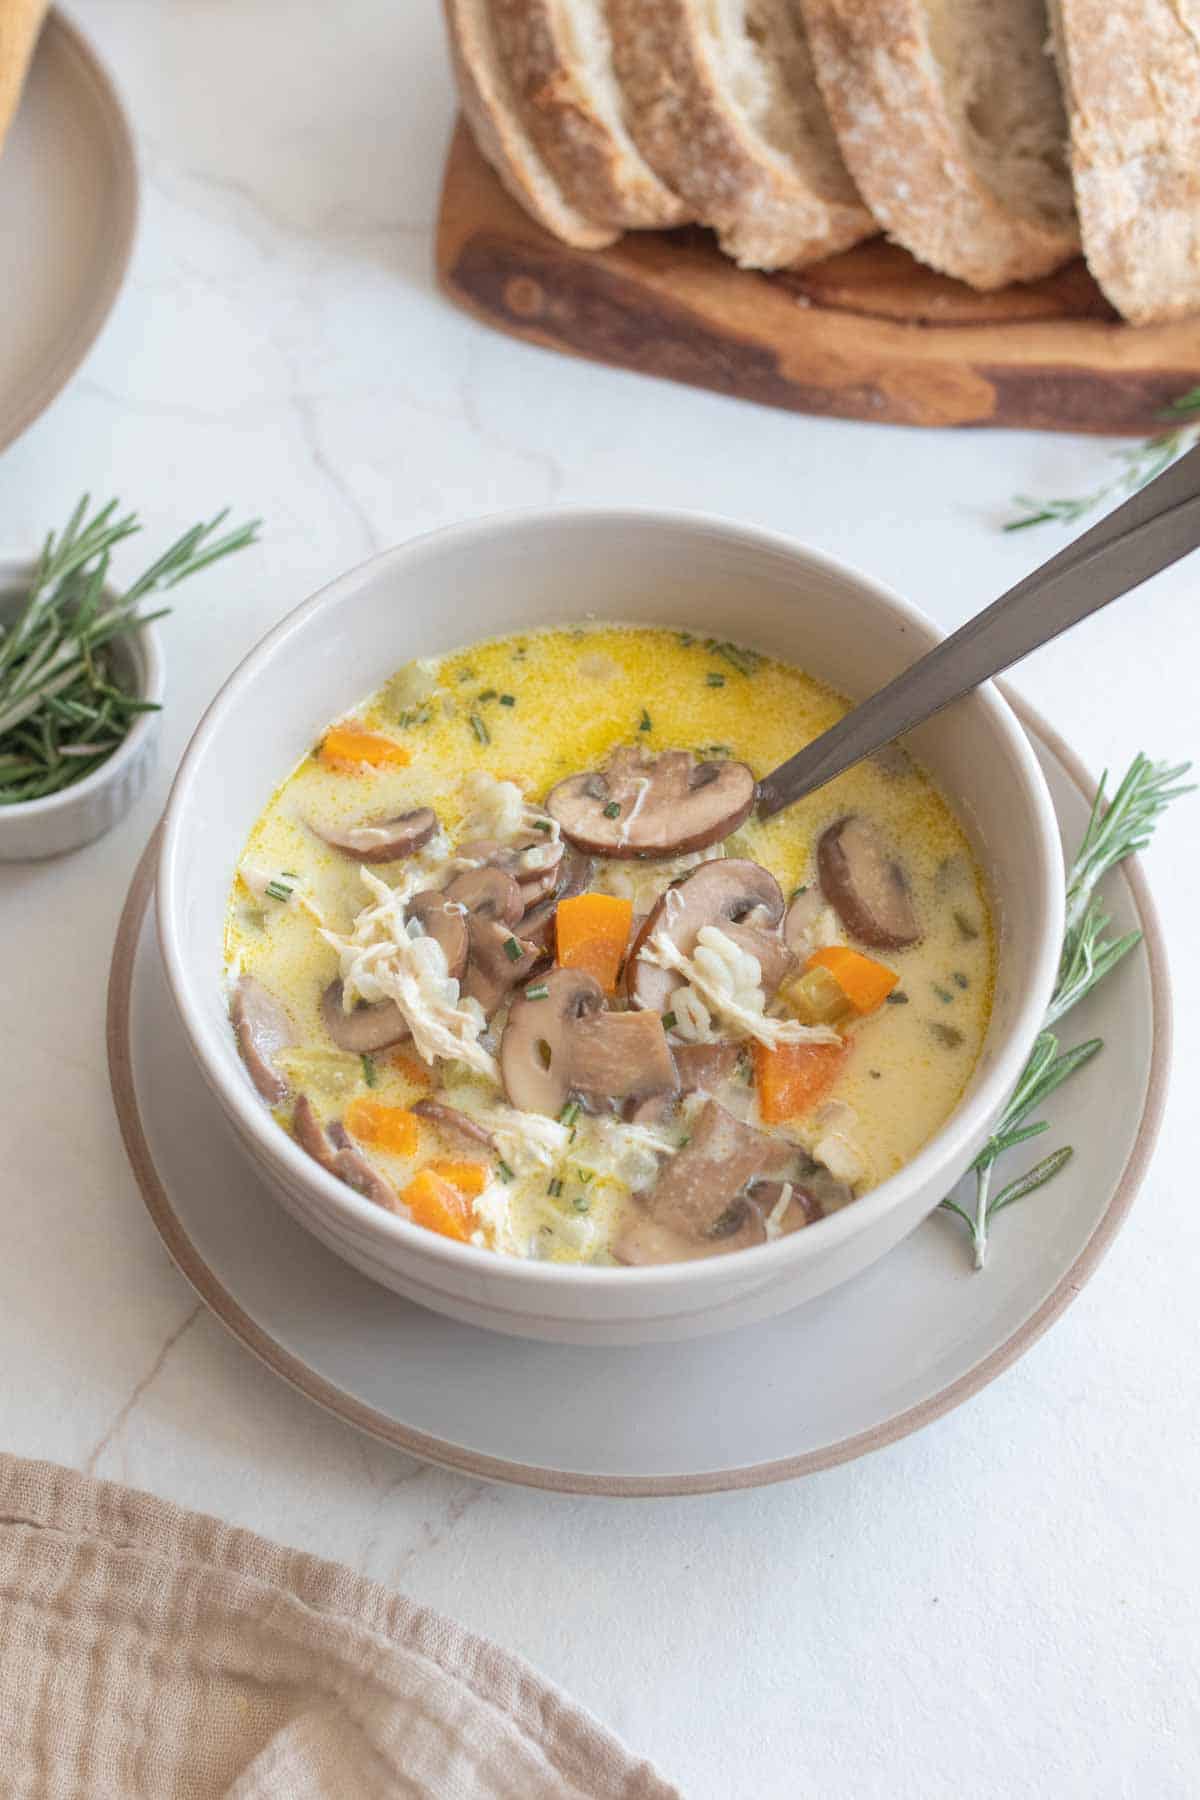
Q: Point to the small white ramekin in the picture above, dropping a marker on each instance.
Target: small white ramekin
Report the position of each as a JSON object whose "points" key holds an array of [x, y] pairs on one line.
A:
{"points": [[33, 829]]}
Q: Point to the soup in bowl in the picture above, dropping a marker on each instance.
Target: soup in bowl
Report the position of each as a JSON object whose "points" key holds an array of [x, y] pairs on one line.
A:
{"points": [[523, 1009]]}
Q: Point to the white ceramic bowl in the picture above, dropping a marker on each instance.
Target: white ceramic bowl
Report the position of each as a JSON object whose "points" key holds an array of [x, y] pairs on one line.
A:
{"points": [[38, 828], [492, 576]]}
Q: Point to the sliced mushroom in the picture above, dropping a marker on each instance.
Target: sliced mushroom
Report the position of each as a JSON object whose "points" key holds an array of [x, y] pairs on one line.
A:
{"points": [[803, 1208], [866, 886], [263, 1029], [382, 840], [365, 1029], [535, 1051], [800, 920], [620, 1056], [726, 891], [444, 921], [645, 805], [331, 1147], [536, 879], [704, 1067], [499, 962], [574, 872], [775, 961], [487, 893], [640, 1241], [454, 1124], [699, 1185]]}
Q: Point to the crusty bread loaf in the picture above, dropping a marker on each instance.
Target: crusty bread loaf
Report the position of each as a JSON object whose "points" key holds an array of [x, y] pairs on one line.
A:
{"points": [[1131, 74], [559, 58], [20, 23], [950, 119], [490, 104], [723, 103]]}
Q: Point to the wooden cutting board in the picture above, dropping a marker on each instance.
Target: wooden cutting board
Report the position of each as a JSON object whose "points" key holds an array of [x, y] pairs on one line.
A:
{"points": [[868, 335]]}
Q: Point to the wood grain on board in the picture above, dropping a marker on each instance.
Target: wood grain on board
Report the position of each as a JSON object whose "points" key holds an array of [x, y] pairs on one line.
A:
{"points": [[867, 335]]}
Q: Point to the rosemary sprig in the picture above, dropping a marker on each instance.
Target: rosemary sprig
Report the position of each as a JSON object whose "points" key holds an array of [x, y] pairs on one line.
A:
{"points": [[1116, 829], [1141, 463], [62, 708]]}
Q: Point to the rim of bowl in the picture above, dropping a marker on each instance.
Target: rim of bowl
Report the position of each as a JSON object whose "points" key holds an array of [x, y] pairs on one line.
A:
{"points": [[944, 1147], [150, 685]]}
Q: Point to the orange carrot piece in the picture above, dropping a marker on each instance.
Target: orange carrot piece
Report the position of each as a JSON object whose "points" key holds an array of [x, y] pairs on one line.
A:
{"points": [[468, 1177], [592, 931], [350, 746], [793, 1077], [388, 1128], [439, 1206], [865, 982], [411, 1067]]}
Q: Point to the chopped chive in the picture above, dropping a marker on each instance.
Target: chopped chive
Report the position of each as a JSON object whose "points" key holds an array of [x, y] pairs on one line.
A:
{"points": [[714, 679], [959, 979], [898, 998], [480, 729], [512, 949], [669, 1021], [466, 674], [966, 928], [946, 1034], [370, 1075], [508, 699], [503, 1170], [586, 1175], [540, 992], [943, 994], [797, 891], [569, 1113], [612, 810], [645, 724], [554, 1187], [581, 1203], [279, 890], [543, 825], [685, 638], [487, 694], [289, 874], [683, 1143]]}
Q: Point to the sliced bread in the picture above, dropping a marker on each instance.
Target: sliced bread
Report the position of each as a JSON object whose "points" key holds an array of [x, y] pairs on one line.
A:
{"points": [[951, 121], [1131, 74], [491, 108], [723, 104], [559, 58]]}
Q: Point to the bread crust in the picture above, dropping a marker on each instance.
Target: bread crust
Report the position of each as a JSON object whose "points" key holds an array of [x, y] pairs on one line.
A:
{"points": [[491, 110], [881, 86], [1131, 75], [604, 175], [765, 216]]}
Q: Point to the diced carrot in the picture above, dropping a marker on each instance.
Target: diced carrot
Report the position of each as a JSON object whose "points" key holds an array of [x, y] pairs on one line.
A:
{"points": [[411, 1067], [384, 1127], [592, 931], [349, 746], [865, 982], [469, 1178], [793, 1077], [438, 1205]]}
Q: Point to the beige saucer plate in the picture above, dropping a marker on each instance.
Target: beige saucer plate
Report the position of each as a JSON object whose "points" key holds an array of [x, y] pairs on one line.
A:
{"points": [[69, 200], [888, 1352]]}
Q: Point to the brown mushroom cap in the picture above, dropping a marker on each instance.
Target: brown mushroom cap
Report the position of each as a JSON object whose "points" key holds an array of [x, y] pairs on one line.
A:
{"points": [[698, 1186], [573, 873], [620, 1056], [487, 893], [331, 1147], [727, 891], [665, 805], [866, 886], [535, 882], [454, 1124], [803, 913], [495, 968], [262, 1028], [405, 835], [365, 1029], [535, 1051]]}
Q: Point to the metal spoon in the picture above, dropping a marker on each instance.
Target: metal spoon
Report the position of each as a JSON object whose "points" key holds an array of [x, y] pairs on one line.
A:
{"points": [[1147, 533]]}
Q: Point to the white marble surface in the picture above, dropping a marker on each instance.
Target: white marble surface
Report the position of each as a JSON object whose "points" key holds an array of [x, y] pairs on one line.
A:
{"points": [[1004, 1605]]}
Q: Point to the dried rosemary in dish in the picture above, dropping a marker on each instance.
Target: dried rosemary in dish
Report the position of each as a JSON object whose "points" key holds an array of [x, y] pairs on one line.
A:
{"points": [[63, 706]]}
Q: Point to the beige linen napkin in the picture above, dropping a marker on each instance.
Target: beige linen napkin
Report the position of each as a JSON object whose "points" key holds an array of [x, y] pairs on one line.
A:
{"points": [[150, 1652]]}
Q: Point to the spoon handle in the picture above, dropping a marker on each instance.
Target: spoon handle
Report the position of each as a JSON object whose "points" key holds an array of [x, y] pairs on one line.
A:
{"points": [[1147, 533]]}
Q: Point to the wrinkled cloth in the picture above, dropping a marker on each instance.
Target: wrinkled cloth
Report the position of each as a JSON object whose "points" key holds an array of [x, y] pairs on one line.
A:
{"points": [[150, 1652]]}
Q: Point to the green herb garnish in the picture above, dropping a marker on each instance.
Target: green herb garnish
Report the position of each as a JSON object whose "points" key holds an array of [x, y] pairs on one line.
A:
{"points": [[508, 699], [278, 890], [612, 810], [644, 724], [62, 709], [746, 662], [1115, 830], [503, 1170], [569, 1113], [512, 949], [714, 678], [480, 729], [1141, 464], [554, 1187], [669, 1021], [487, 694], [370, 1073], [540, 992]]}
